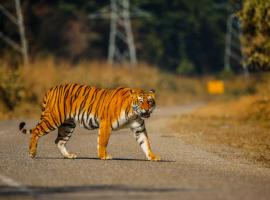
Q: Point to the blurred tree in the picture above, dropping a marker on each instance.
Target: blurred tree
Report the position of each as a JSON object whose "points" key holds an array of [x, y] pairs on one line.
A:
{"points": [[177, 31], [255, 17], [185, 67], [180, 29]]}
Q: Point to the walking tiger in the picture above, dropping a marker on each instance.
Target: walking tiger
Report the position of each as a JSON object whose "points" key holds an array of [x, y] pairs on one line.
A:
{"points": [[66, 105]]}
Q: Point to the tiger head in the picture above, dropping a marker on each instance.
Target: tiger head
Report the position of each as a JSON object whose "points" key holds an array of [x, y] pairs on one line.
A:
{"points": [[143, 103]]}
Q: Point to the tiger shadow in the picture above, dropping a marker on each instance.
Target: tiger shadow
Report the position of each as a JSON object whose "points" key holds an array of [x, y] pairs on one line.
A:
{"points": [[95, 158]]}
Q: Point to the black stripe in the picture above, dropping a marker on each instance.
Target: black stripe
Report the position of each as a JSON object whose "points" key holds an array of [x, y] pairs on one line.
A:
{"points": [[83, 121], [48, 125], [125, 92], [65, 97], [72, 97], [55, 122], [78, 91], [55, 97], [69, 132], [142, 124], [85, 89], [96, 121], [115, 92], [82, 105], [66, 91], [103, 99], [92, 100], [141, 142], [139, 131], [58, 104], [98, 100], [42, 130], [90, 122], [69, 125], [84, 102], [52, 97]]}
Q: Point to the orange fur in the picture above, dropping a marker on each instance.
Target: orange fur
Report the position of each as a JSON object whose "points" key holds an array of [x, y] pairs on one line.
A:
{"points": [[103, 107]]}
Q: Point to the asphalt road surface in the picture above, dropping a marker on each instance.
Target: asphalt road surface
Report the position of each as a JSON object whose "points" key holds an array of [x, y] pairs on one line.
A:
{"points": [[185, 171]]}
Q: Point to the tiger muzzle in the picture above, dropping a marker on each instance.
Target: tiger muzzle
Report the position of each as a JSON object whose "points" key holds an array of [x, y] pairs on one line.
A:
{"points": [[146, 114]]}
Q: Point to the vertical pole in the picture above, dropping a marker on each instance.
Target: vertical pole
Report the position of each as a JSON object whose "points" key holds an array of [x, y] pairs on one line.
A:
{"points": [[113, 16], [243, 57], [227, 54], [121, 29], [22, 33], [130, 40]]}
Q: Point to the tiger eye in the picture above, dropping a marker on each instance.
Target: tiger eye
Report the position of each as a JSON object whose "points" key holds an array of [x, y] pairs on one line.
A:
{"points": [[151, 102]]}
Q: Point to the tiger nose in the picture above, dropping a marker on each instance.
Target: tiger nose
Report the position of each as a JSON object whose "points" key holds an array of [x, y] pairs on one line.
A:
{"points": [[145, 110]]}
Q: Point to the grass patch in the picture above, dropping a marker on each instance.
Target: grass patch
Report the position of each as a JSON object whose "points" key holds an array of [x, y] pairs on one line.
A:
{"points": [[232, 127]]}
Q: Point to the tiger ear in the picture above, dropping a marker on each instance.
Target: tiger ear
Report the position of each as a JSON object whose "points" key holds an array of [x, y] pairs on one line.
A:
{"points": [[133, 93], [152, 91]]}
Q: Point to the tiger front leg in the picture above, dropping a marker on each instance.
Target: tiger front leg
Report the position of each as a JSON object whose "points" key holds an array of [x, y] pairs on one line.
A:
{"points": [[140, 133], [103, 139]]}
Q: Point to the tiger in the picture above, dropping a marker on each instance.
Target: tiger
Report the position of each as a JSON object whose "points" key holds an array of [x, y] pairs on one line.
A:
{"points": [[66, 105]]}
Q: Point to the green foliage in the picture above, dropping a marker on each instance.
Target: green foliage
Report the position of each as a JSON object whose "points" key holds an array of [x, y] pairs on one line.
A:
{"points": [[175, 30], [226, 74], [181, 29], [185, 67], [255, 18], [10, 88]]}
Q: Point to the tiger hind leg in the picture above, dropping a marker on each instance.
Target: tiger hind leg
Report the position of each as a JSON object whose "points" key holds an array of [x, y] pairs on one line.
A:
{"points": [[42, 128], [64, 133]]}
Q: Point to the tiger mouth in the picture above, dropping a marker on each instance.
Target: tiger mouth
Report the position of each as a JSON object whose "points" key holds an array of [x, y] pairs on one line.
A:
{"points": [[146, 115]]}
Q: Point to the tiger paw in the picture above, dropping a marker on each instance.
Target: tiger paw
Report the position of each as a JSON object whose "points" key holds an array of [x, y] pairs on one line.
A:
{"points": [[32, 155], [71, 156], [154, 158], [106, 157], [102, 153]]}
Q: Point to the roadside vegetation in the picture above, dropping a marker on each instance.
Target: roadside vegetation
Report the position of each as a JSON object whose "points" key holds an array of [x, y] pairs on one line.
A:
{"points": [[233, 125]]}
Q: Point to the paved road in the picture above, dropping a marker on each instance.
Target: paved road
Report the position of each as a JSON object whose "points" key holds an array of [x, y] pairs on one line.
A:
{"points": [[185, 172]]}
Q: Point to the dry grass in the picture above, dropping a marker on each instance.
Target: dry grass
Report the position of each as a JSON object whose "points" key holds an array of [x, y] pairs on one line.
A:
{"points": [[227, 137], [102, 75], [234, 128], [45, 73]]}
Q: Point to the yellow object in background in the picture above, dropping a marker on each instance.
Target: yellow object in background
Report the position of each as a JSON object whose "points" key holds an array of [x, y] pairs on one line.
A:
{"points": [[215, 87]]}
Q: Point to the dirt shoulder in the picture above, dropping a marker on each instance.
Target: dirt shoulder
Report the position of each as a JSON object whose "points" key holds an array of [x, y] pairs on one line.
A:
{"points": [[229, 129]]}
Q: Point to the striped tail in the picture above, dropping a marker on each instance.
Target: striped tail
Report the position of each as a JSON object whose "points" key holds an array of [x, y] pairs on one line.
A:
{"points": [[24, 130]]}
